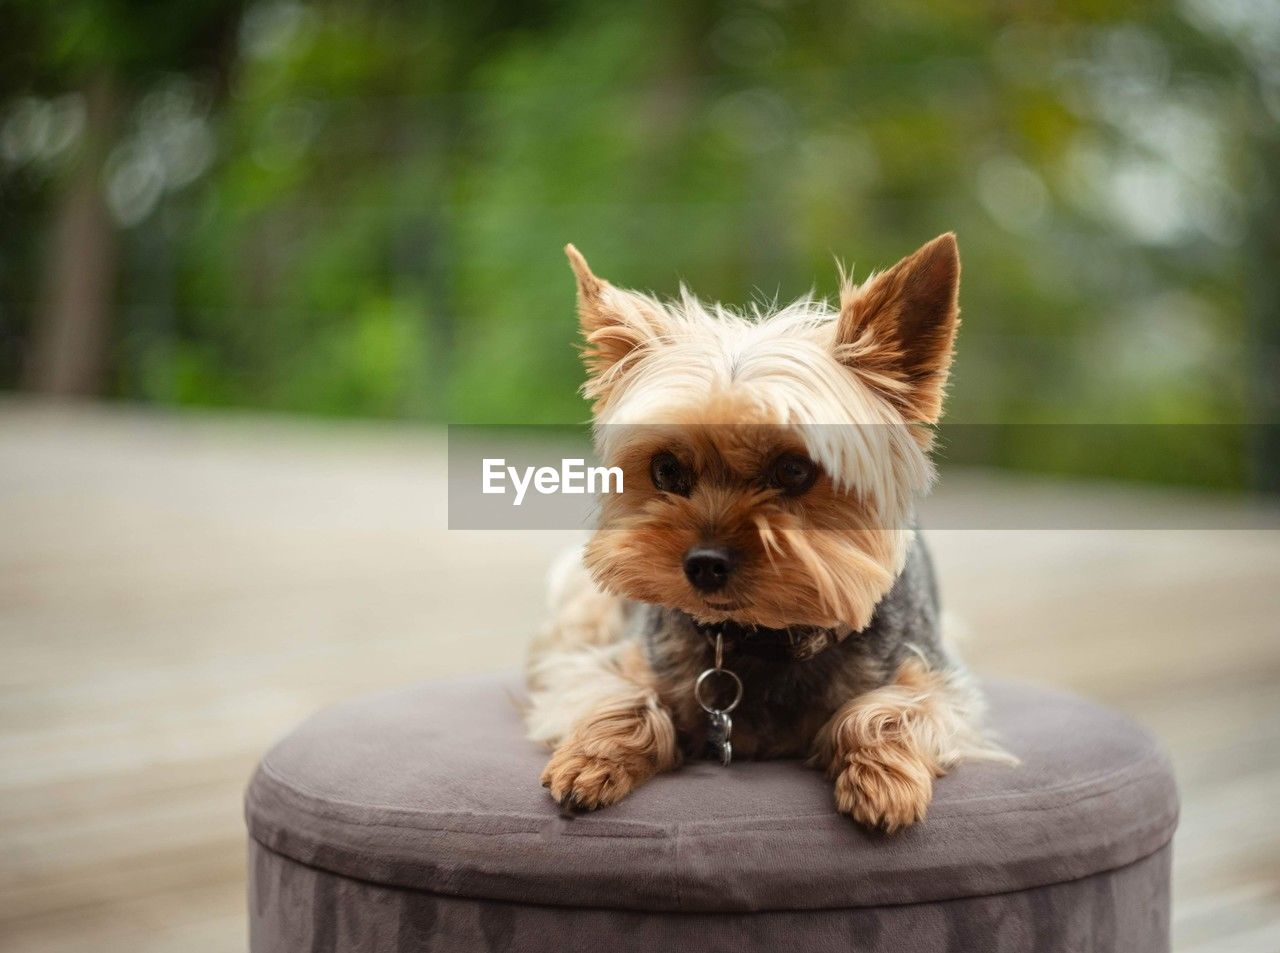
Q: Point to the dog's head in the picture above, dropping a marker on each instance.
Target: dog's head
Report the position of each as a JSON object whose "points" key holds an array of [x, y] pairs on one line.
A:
{"points": [[770, 461]]}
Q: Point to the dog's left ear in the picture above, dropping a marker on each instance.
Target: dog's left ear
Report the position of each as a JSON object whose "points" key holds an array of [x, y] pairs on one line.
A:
{"points": [[897, 329]]}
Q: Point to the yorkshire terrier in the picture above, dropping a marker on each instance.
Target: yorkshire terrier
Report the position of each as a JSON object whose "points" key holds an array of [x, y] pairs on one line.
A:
{"points": [[771, 466]]}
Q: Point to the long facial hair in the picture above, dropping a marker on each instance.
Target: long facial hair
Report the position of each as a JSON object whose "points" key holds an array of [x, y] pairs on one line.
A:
{"points": [[853, 388]]}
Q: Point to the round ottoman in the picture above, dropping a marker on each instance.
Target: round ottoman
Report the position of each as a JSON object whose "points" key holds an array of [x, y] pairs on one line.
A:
{"points": [[413, 820]]}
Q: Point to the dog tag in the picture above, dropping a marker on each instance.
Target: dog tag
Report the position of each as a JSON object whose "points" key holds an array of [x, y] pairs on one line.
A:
{"points": [[719, 727], [719, 724]]}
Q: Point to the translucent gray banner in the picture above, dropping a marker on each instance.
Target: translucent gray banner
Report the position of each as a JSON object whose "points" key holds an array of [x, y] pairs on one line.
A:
{"points": [[1017, 477]]}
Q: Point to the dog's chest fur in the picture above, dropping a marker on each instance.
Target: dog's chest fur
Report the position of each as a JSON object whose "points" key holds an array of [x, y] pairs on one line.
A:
{"points": [[786, 701]]}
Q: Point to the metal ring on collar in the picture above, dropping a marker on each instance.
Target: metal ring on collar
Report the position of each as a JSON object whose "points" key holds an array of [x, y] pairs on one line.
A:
{"points": [[702, 679]]}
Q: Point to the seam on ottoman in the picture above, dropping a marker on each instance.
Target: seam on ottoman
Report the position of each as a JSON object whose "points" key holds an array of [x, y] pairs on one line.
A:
{"points": [[261, 829], [1137, 772], [535, 819], [677, 840], [727, 913]]}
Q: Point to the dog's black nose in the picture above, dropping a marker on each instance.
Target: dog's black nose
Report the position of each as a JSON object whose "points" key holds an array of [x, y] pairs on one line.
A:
{"points": [[708, 568]]}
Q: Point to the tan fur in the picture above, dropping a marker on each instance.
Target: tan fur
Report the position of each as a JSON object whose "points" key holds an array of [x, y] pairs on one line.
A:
{"points": [[884, 748], [626, 740], [592, 698], [578, 661], [824, 559], [897, 330], [727, 393]]}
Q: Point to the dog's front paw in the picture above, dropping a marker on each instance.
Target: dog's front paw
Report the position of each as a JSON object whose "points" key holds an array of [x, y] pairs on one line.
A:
{"points": [[583, 781], [884, 787], [607, 756]]}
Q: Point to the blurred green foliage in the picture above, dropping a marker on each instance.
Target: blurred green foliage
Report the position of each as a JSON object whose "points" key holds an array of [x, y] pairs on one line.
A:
{"points": [[358, 208]]}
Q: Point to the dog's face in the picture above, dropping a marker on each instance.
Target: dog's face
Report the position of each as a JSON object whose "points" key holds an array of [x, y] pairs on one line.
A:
{"points": [[770, 462]]}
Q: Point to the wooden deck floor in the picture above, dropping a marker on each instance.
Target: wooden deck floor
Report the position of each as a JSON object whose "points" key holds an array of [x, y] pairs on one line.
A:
{"points": [[177, 592]]}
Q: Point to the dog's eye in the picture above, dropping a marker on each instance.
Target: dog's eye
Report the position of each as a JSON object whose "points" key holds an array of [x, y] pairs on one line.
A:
{"points": [[793, 474], [669, 474]]}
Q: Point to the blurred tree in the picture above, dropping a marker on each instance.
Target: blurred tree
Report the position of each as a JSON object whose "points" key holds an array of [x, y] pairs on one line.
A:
{"points": [[349, 207], [101, 55]]}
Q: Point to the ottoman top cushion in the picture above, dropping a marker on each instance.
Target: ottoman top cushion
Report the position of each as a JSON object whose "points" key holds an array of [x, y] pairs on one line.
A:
{"points": [[435, 787]]}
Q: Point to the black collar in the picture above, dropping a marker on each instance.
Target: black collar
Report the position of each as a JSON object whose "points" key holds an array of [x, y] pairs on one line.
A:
{"points": [[797, 643]]}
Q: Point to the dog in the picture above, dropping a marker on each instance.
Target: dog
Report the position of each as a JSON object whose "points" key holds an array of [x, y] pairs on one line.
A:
{"points": [[764, 533]]}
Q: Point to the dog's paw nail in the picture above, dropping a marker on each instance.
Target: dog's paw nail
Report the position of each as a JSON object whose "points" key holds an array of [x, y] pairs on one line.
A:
{"points": [[571, 805]]}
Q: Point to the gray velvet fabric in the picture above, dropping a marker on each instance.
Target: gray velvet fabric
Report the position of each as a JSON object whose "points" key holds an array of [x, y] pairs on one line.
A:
{"points": [[434, 788], [298, 909]]}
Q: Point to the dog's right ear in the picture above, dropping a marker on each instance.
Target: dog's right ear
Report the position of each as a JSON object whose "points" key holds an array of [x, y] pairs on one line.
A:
{"points": [[616, 325]]}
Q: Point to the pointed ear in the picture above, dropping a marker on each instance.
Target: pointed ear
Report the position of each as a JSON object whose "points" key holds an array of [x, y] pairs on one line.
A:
{"points": [[896, 330], [615, 324]]}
